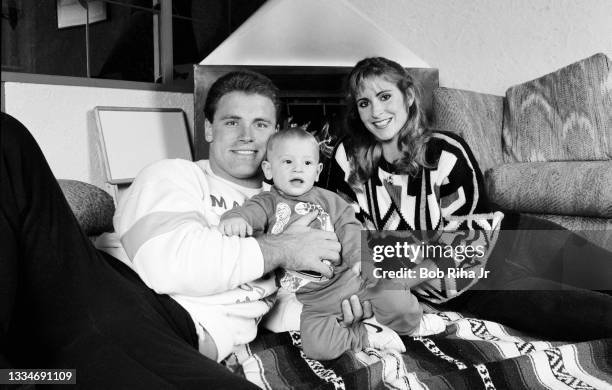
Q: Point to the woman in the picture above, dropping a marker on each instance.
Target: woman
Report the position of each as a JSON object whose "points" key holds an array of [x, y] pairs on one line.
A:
{"points": [[402, 176]]}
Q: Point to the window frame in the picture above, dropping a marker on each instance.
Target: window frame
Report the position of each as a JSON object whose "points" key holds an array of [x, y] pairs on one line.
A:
{"points": [[163, 59], [38, 78]]}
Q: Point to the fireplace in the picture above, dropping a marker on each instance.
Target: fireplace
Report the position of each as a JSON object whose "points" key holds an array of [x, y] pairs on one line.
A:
{"points": [[307, 47]]}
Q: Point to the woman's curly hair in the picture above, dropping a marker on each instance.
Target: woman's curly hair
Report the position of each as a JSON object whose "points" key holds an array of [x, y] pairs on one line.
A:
{"points": [[364, 150]]}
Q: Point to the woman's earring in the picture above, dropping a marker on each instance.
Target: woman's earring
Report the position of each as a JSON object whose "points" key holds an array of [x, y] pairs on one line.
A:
{"points": [[208, 137]]}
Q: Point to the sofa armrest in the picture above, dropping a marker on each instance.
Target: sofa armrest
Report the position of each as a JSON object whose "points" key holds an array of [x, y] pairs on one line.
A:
{"points": [[580, 188], [477, 117], [92, 207]]}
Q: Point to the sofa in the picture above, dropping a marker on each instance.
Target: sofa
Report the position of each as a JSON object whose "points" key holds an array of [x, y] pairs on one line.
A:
{"points": [[545, 148]]}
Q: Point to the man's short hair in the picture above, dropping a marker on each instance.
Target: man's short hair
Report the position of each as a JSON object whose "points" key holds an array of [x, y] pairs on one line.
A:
{"points": [[240, 81]]}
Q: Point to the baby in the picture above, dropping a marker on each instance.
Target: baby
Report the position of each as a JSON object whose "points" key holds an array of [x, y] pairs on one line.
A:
{"points": [[292, 162]]}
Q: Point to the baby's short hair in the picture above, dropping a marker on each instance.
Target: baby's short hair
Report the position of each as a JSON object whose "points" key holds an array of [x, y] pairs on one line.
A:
{"points": [[289, 133]]}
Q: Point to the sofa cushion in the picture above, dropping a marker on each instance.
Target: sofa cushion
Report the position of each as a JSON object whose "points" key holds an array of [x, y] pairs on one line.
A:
{"points": [[92, 207], [566, 188], [565, 115], [477, 117]]}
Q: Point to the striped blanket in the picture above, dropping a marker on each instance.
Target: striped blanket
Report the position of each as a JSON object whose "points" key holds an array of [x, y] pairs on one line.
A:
{"points": [[471, 354]]}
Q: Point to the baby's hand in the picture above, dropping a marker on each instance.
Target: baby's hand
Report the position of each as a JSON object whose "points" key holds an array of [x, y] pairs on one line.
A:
{"points": [[235, 226]]}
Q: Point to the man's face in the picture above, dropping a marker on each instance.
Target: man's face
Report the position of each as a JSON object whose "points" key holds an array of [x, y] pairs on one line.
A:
{"points": [[238, 134], [293, 164]]}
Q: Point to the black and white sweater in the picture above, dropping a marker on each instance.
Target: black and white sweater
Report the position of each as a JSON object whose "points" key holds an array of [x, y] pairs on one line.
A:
{"points": [[448, 196]]}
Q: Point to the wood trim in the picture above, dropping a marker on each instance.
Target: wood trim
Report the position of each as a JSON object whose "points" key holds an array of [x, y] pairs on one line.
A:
{"points": [[36, 78]]}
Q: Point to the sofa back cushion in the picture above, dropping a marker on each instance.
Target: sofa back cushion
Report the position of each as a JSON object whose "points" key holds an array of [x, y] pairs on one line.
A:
{"points": [[565, 115], [477, 117], [579, 188]]}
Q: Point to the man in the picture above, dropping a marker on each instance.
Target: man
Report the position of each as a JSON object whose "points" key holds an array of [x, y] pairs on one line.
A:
{"points": [[167, 221], [65, 304]]}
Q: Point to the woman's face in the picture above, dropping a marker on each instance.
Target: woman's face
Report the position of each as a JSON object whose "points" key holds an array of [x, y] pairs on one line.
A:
{"points": [[382, 108]]}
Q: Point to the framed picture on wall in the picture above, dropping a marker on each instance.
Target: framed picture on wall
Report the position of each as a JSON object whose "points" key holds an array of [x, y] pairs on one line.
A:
{"points": [[130, 138], [74, 12]]}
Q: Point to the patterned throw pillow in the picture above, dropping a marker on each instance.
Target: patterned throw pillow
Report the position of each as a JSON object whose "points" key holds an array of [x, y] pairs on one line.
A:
{"points": [[563, 116]]}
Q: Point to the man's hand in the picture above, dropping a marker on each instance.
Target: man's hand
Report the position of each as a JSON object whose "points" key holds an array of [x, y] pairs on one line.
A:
{"points": [[301, 248], [235, 226]]}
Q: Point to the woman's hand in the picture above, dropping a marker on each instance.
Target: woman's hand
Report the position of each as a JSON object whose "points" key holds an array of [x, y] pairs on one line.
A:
{"points": [[354, 311]]}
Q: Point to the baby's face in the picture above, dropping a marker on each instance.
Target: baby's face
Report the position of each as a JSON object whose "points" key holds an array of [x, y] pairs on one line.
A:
{"points": [[293, 164]]}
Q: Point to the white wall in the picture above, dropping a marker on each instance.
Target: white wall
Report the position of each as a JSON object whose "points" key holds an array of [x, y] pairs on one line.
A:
{"points": [[62, 120], [489, 45]]}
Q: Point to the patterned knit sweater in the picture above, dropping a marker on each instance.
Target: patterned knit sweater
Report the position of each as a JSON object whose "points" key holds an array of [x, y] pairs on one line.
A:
{"points": [[448, 196]]}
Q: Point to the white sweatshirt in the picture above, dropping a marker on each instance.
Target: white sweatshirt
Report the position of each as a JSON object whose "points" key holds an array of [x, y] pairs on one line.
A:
{"points": [[166, 223]]}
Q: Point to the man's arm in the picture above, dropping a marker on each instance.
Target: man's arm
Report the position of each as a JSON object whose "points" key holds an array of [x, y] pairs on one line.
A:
{"points": [[165, 223], [297, 248], [164, 226], [300, 248]]}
